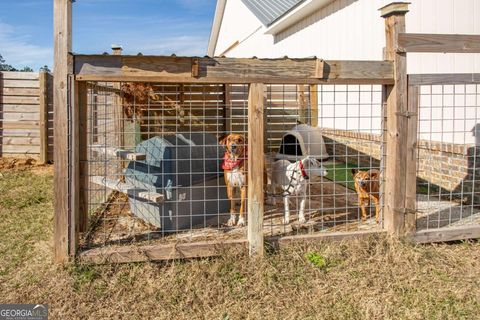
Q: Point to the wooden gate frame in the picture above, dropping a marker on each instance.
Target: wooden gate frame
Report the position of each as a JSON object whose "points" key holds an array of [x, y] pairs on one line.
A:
{"points": [[73, 71]]}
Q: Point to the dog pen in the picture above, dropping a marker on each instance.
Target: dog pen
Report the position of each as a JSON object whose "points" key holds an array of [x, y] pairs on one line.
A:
{"points": [[138, 161]]}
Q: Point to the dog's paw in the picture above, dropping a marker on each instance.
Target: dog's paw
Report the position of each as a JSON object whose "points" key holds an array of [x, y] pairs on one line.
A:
{"points": [[302, 219], [231, 221], [286, 220], [241, 222]]}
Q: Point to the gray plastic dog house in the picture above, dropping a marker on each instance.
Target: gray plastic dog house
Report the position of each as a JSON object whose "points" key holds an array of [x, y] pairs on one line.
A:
{"points": [[301, 141], [185, 168]]}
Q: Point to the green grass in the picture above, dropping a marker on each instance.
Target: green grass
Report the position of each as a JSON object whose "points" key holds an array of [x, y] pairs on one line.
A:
{"points": [[341, 173], [375, 278]]}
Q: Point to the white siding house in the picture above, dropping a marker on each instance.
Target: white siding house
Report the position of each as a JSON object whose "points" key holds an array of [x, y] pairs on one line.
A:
{"points": [[343, 29], [354, 30]]}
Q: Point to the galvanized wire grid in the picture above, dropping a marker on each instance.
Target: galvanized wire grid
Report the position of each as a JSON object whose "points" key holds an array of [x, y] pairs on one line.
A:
{"points": [[350, 120], [154, 161], [447, 165]]}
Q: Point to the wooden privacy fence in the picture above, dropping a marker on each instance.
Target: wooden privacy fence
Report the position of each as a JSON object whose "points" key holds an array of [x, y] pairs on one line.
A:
{"points": [[26, 115], [77, 109]]}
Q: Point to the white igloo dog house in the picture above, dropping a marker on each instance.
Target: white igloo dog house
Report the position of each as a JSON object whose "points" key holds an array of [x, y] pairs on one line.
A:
{"points": [[301, 141]]}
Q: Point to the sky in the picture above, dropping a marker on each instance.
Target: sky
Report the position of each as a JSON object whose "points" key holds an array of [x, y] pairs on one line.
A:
{"points": [[160, 27]]}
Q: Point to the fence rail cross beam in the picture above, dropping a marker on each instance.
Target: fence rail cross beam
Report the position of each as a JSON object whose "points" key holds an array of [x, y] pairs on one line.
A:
{"points": [[397, 124]]}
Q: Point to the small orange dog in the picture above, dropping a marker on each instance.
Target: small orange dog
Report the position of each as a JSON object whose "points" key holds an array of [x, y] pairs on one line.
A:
{"points": [[367, 186], [234, 166]]}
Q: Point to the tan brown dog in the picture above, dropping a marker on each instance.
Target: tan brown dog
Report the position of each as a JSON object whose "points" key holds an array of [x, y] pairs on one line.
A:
{"points": [[367, 186], [235, 171]]}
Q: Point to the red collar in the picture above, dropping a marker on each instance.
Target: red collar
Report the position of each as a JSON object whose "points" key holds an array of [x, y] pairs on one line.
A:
{"points": [[302, 169], [230, 164]]}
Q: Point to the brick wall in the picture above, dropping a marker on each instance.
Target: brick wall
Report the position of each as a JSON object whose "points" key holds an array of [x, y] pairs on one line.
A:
{"points": [[450, 167]]}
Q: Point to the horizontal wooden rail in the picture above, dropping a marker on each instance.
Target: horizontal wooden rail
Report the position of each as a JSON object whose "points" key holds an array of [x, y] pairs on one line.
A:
{"points": [[128, 189], [447, 234], [157, 252], [230, 70], [439, 79], [445, 43]]}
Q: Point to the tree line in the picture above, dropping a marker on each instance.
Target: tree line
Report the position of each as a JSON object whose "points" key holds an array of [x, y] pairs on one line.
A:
{"points": [[4, 66]]}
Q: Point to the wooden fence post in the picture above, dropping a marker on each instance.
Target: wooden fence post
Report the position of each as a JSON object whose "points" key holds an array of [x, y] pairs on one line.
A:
{"points": [[256, 99], [411, 171], [43, 97], [397, 121], [62, 14], [313, 105]]}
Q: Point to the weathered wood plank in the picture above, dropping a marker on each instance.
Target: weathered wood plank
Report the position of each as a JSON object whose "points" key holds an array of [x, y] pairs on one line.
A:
{"points": [[435, 79], [82, 105], [22, 141], [160, 252], [11, 116], [20, 124], [447, 234], [19, 100], [7, 83], [330, 236], [19, 75], [62, 26], [444, 43], [43, 117], [13, 149], [411, 165], [19, 92], [397, 127], [12, 108], [128, 189], [228, 70], [314, 105], [256, 99]]}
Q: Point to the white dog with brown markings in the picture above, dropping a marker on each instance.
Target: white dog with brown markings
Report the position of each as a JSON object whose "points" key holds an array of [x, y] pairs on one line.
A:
{"points": [[293, 179]]}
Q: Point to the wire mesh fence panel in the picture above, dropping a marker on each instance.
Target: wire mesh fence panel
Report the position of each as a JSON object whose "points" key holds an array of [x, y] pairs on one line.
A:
{"points": [[157, 163], [448, 190], [324, 152], [167, 163]]}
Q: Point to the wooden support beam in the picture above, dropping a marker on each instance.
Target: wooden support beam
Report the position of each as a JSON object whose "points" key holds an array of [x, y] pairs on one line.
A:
{"points": [[43, 94], [119, 153], [411, 165], [397, 124], [128, 189], [204, 249], [81, 104], [62, 26], [434, 79], [447, 234], [229, 70], [160, 252], [302, 104], [256, 98], [314, 105], [227, 108], [443, 43]]}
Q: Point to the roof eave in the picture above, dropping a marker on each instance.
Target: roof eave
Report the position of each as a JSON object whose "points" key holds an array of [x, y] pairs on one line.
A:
{"points": [[291, 17], [217, 23]]}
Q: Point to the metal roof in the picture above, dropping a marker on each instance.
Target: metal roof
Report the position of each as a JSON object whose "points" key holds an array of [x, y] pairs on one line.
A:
{"points": [[268, 11]]}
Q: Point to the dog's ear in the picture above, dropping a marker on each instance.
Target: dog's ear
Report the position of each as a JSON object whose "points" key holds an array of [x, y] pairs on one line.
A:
{"points": [[374, 175], [223, 139], [354, 171]]}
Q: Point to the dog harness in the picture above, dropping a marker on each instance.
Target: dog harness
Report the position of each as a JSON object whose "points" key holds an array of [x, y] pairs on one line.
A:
{"points": [[291, 184]]}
